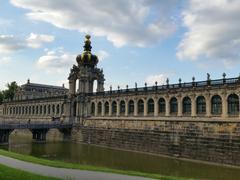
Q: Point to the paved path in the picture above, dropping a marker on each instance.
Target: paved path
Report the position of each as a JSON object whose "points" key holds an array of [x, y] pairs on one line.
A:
{"points": [[64, 173]]}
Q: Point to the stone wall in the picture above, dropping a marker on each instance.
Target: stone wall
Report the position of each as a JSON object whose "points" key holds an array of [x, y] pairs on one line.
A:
{"points": [[214, 141]]}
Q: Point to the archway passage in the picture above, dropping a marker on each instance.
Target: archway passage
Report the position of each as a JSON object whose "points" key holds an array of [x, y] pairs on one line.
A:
{"points": [[106, 108], [114, 108], [4, 135], [216, 105], [233, 104]]}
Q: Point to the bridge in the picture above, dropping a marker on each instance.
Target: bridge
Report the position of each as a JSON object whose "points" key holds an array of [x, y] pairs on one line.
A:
{"points": [[39, 129]]}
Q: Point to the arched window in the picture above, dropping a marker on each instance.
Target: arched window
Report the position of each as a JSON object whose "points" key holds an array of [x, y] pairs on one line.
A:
{"points": [[233, 104], [106, 107], [93, 109], [62, 108], [216, 104], [186, 103], [36, 109], [33, 110], [26, 110], [53, 109], [23, 110], [44, 109], [150, 105], [201, 105], [173, 105], [131, 107], [140, 107], [114, 108], [161, 106], [58, 109], [122, 107], [49, 109], [99, 109], [30, 109]]}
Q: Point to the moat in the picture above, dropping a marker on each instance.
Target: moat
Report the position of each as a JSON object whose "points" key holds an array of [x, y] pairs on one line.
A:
{"points": [[118, 159]]}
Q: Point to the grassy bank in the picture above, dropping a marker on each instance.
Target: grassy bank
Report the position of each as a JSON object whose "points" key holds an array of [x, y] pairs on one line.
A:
{"points": [[62, 164], [8, 173]]}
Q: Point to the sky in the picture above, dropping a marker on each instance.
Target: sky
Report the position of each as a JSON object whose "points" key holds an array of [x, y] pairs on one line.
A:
{"points": [[135, 40]]}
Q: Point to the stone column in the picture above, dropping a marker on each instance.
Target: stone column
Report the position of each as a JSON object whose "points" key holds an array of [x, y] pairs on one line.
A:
{"points": [[208, 106], [167, 110], [103, 109], [135, 108], [96, 110], [193, 108], [145, 113], [224, 106], [155, 107], [72, 87], [110, 108], [179, 113], [126, 108], [118, 108]]}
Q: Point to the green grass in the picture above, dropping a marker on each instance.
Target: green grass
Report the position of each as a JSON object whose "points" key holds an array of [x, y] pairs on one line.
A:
{"points": [[62, 164], [8, 173]]}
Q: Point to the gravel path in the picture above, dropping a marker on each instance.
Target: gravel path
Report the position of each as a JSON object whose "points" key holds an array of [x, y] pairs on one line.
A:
{"points": [[64, 173]]}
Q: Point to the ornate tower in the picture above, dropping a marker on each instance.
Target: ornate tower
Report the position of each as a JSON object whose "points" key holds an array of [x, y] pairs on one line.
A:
{"points": [[86, 72]]}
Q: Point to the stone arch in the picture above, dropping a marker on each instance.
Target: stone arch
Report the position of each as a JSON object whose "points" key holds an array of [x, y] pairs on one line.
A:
{"points": [[173, 105], [216, 105], [140, 105], [122, 107], [130, 107], [150, 106], [201, 105], [161, 106], [114, 108], [186, 105], [233, 104]]}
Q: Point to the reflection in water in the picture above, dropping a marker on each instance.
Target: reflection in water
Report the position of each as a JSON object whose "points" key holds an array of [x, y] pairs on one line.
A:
{"points": [[117, 159]]}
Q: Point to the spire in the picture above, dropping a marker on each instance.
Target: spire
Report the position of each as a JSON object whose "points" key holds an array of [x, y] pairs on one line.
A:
{"points": [[87, 46]]}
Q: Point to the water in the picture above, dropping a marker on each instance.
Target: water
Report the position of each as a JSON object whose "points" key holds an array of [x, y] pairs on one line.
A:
{"points": [[118, 159]]}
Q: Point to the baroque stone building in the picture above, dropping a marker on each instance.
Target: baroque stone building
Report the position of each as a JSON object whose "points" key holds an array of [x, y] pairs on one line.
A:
{"points": [[197, 120]]}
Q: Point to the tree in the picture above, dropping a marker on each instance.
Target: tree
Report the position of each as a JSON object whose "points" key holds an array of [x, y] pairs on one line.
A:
{"points": [[1, 97], [11, 90]]}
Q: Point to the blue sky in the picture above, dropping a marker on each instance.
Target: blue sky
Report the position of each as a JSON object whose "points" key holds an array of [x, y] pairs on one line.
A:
{"points": [[136, 40]]}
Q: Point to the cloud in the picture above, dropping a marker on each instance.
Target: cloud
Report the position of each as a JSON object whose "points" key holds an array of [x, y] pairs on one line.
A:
{"points": [[138, 23], [102, 55], [56, 61], [213, 31], [36, 40], [160, 78], [5, 60], [11, 43]]}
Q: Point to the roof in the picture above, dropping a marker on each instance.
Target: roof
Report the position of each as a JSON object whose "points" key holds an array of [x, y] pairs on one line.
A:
{"points": [[43, 86]]}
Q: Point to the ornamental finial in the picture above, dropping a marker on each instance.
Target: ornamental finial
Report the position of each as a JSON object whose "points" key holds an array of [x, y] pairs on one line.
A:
{"points": [[87, 46]]}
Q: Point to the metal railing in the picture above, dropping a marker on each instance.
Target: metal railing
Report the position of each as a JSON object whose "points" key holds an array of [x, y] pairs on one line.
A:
{"points": [[217, 82], [34, 125]]}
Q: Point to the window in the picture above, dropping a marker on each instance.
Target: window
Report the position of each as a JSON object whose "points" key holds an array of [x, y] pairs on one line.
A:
{"points": [[150, 105], [233, 104], [106, 107], [99, 109], [173, 105], [93, 109], [161, 106], [186, 105], [122, 107], [216, 105], [140, 106], [131, 107], [201, 105]]}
